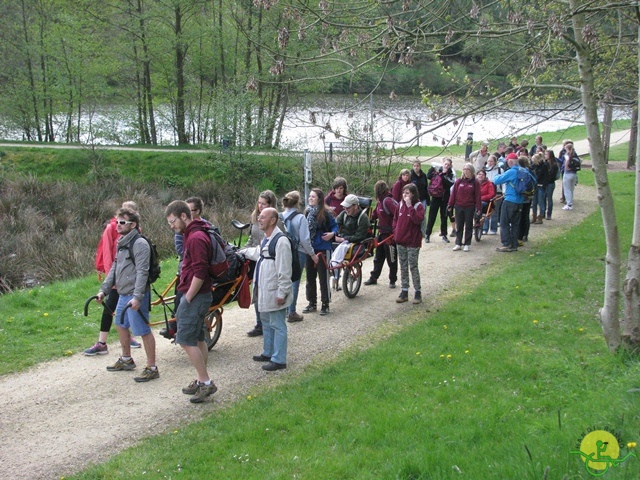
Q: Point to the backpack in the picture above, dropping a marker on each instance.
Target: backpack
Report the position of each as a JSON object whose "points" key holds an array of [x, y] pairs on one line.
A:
{"points": [[154, 258], [296, 267], [525, 183], [574, 164], [436, 186], [224, 262]]}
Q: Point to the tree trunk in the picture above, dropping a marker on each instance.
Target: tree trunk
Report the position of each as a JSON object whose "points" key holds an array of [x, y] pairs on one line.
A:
{"points": [[606, 130], [32, 82], [633, 138], [609, 313], [631, 320], [181, 130]]}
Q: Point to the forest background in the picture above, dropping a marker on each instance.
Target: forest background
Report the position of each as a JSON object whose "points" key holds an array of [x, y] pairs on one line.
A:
{"points": [[214, 70]]}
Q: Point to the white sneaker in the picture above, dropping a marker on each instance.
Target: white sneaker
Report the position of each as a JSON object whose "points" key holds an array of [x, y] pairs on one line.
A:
{"points": [[466, 248], [456, 248], [567, 207]]}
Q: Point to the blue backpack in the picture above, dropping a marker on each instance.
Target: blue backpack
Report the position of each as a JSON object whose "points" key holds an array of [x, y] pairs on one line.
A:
{"points": [[525, 183]]}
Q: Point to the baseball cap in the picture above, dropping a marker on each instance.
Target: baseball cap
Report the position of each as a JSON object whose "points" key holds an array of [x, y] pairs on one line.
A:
{"points": [[512, 156], [350, 200]]}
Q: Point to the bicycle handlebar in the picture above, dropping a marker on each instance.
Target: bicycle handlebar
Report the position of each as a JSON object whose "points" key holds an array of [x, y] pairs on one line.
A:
{"points": [[146, 320]]}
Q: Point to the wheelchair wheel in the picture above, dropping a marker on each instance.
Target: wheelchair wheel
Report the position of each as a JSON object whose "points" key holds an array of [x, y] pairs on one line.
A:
{"points": [[352, 280], [213, 328]]}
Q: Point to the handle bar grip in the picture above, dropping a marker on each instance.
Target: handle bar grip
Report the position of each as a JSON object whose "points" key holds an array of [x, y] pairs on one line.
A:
{"points": [[86, 305], [146, 320]]}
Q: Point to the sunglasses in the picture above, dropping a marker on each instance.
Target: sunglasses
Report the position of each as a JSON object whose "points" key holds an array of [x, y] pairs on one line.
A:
{"points": [[124, 222]]}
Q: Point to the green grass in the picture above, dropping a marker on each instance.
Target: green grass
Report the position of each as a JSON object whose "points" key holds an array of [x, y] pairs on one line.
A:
{"points": [[549, 138], [167, 167], [501, 383], [48, 322]]}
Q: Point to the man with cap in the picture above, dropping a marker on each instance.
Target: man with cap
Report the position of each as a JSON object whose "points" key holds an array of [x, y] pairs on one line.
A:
{"points": [[353, 227], [511, 208]]}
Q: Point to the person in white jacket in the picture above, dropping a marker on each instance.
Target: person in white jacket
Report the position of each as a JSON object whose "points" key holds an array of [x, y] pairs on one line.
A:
{"points": [[272, 289]]}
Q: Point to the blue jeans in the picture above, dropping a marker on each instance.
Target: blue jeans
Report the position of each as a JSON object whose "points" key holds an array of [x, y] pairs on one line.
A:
{"points": [[274, 331], [510, 224], [539, 200], [296, 285], [548, 195]]}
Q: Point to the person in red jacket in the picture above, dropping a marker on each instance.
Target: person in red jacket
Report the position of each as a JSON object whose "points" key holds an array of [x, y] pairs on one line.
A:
{"points": [[384, 212], [195, 287], [403, 179], [105, 254], [487, 192], [465, 200], [408, 236], [336, 196]]}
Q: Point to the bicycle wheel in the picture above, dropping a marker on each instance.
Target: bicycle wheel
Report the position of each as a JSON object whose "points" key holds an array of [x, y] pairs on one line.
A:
{"points": [[213, 328], [352, 280]]}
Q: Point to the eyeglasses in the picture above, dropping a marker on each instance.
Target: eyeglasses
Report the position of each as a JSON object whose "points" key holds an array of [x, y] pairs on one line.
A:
{"points": [[124, 222]]}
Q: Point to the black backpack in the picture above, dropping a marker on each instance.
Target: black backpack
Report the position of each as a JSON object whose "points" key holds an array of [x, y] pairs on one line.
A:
{"points": [[224, 263], [154, 258], [296, 267]]}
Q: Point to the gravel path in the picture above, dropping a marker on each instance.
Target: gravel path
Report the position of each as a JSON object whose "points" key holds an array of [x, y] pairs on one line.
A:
{"points": [[61, 416]]}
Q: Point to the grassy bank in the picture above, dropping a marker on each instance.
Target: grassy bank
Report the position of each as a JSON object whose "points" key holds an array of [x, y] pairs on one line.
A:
{"points": [[501, 382]]}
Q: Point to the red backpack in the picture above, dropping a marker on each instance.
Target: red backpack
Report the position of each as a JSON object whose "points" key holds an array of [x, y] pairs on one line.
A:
{"points": [[436, 186]]}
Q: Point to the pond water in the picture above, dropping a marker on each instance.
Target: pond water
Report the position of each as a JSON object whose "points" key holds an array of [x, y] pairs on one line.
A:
{"points": [[314, 123]]}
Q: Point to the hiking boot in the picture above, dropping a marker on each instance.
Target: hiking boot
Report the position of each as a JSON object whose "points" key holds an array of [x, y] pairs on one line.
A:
{"points": [[273, 366], [404, 297], [445, 239], [371, 281], [203, 392], [521, 243], [310, 308], [417, 298], [133, 343], [325, 309], [504, 249], [191, 389], [256, 332], [294, 317], [97, 349], [147, 374], [122, 365]]}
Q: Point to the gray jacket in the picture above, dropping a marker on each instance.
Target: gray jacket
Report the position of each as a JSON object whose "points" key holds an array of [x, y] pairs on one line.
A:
{"points": [[275, 275], [129, 278]]}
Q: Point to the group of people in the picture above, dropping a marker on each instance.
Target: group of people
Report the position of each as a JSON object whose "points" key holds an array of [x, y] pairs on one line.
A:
{"points": [[322, 236]]}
